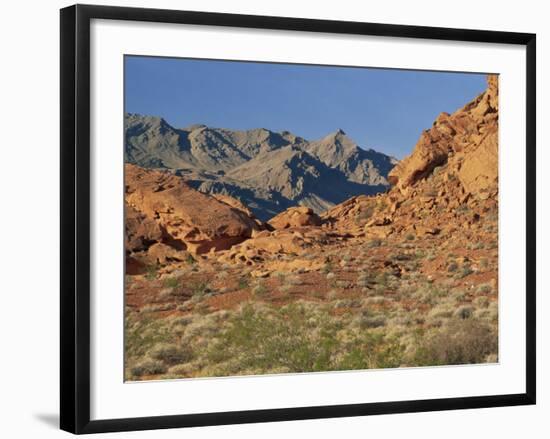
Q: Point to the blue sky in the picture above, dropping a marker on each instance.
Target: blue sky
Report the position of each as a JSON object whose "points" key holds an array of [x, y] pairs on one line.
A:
{"points": [[378, 108]]}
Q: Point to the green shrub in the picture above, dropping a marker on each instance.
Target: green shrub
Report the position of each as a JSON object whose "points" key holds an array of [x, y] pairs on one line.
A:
{"points": [[151, 272], [243, 283], [171, 282], [466, 271], [297, 339]]}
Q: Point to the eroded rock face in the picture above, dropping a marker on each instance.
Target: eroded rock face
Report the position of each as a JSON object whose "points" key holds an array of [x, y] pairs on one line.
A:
{"points": [[162, 207], [141, 232], [448, 184], [295, 217], [267, 245], [466, 139]]}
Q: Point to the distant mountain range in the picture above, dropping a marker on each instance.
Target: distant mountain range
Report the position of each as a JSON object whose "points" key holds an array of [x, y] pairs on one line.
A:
{"points": [[268, 171]]}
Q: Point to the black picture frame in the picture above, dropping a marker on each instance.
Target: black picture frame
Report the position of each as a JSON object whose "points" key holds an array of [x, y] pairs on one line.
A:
{"points": [[75, 218]]}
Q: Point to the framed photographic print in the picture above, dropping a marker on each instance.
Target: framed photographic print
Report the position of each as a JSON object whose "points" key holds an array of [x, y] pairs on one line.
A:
{"points": [[268, 218]]}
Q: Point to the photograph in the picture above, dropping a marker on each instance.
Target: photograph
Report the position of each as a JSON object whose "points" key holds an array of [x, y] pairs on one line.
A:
{"points": [[287, 218]]}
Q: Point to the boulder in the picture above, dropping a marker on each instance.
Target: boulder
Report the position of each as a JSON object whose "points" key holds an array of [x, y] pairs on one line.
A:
{"points": [[187, 218], [295, 217]]}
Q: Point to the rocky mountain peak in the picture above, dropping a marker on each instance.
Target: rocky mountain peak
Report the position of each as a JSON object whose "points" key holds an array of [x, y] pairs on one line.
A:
{"points": [[269, 170]]}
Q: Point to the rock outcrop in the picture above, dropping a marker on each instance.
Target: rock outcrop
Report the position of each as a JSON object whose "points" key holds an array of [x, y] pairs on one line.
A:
{"points": [[449, 183], [466, 139], [295, 217], [163, 208]]}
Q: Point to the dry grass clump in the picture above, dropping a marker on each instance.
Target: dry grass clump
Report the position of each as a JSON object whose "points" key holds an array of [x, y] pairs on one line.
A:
{"points": [[259, 289], [148, 367], [170, 353], [461, 341], [153, 307]]}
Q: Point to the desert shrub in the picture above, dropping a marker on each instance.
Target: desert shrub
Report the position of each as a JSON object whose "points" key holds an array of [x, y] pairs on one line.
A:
{"points": [[374, 243], [348, 303], [375, 300], [484, 289], [368, 319], [328, 267], [259, 290], [382, 279], [154, 307], [343, 284], [481, 302], [330, 276], [465, 271], [170, 353], [181, 370], [365, 279], [429, 294], [459, 295], [419, 254], [297, 338], [409, 237], [293, 280], [142, 333], [148, 367], [478, 246], [400, 257], [199, 289], [222, 275], [461, 341], [285, 289], [190, 259], [243, 283], [452, 267], [464, 312], [166, 294], [151, 272], [171, 282], [443, 310]]}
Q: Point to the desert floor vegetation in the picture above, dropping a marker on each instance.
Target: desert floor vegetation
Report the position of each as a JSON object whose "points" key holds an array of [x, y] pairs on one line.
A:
{"points": [[356, 311]]}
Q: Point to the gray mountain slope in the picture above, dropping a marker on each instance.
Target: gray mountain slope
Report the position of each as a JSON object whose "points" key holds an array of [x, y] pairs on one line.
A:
{"points": [[266, 170], [338, 151]]}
